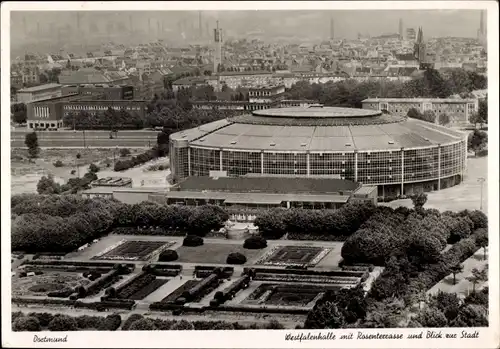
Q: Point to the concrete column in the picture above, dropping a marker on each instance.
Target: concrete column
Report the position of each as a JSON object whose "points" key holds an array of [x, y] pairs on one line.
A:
{"points": [[439, 167], [308, 164], [262, 162], [220, 160], [189, 161], [356, 166], [402, 170]]}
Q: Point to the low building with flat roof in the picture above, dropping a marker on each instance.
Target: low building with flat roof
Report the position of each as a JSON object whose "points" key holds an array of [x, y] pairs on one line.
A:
{"points": [[39, 93]]}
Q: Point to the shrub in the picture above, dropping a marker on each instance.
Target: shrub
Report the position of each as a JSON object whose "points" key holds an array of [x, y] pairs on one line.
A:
{"points": [[26, 324], [17, 314], [112, 322], [255, 243], [124, 152], [192, 241], [182, 325], [61, 323], [43, 318], [72, 172], [130, 320], [432, 317], [236, 258], [93, 168], [168, 256], [142, 325], [58, 163]]}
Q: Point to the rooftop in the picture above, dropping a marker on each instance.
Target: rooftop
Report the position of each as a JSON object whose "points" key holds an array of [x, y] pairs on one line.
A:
{"points": [[258, 184], [316, 111], [418, 100], [40, 88]]}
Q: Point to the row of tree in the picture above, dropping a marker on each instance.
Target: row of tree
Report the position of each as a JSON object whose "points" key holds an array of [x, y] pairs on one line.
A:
{"points": [[350, 93], [275, 223], [62, 223], [420, 235], [110, 119]]}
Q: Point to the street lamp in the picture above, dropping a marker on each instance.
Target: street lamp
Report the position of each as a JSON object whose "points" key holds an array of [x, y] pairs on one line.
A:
{"points": [[481, 181]]}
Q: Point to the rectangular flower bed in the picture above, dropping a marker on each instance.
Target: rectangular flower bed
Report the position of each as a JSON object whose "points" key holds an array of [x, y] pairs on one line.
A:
{"points": [[131, 250]]}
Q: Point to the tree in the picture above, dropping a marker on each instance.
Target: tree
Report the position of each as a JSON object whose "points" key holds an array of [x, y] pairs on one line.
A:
{"points": [[448, 303], [429, 116], [26, 324], [471, 315], [62, 323], [419, 200], [432, 317], [414, 113], [324, 315], [93, 168], [444, 119], [482, 240], [77, 163], [47, 185], [477, 277], [143, 325], [19, 113], [31, 141], [456, 269], [477, 141]]}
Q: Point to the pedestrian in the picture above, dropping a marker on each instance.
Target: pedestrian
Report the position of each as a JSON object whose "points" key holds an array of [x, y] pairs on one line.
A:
{"points": [[180, 276]]}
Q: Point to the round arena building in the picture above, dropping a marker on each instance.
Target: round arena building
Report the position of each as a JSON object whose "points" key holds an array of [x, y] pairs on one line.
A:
{"points": [[398, 154]]}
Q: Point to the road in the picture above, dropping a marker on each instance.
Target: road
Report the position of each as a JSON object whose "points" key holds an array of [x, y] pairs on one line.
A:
{"points": [[91, 139]]}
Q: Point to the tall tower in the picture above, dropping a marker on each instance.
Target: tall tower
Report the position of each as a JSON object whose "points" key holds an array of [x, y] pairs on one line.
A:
{"points": [[419, 47], [149, 26], [332, 29], [78, 21], [400, 29], [218, 47], [200, 29], [481, 33], [130, 24]]}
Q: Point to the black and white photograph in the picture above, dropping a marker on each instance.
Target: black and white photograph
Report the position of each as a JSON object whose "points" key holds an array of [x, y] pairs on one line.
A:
{"points": [[317, 175]]}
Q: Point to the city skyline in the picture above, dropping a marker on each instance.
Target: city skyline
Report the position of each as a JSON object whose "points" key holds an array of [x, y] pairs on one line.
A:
{"points": [[313, 24]]}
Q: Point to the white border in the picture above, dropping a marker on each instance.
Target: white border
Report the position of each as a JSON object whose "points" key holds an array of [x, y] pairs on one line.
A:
{"points": [[488, 338]]}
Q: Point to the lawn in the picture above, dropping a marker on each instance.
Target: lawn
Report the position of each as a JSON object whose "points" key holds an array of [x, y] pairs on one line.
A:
{"points": [[213, 253]]}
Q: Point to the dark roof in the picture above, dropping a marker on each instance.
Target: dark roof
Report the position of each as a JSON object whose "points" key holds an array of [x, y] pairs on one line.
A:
{"points": [[269, 185]]}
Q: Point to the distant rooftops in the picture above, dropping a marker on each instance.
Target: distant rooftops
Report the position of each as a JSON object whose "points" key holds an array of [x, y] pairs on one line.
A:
{"points": [[417, 100]]}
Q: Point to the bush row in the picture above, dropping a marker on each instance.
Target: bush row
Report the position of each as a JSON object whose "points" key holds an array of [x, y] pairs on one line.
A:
{"points": [[229, 292], [38, 321], [67, 222], [275, 223], [122, 165]]}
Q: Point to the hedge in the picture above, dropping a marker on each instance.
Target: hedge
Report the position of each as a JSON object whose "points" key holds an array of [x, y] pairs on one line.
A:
{"points": [[304, 272], [192, 241], [236, 258], [255, 243], [168, 256]]}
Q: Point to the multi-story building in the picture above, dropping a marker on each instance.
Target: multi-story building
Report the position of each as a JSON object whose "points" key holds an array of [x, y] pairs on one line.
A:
{"points": [[397, 154], [459, 110], [248, 78], [411, 35], [109, 92], [49, 114], [39, 93]]}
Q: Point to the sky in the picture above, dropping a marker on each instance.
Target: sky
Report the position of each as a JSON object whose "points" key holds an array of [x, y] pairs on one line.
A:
{"points": [[299, 23]]}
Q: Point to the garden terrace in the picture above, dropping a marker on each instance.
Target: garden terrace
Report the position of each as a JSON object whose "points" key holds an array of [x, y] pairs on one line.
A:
{"points": [[48, 283], [294, 256], [134, 250], [163, 269], [286, 295], [139, 287], [204, 271], [173, 296], [213, 253]]}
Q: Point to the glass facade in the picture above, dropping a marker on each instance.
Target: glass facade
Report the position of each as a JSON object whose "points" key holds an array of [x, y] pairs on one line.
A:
{"points": [[367, 167]]}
